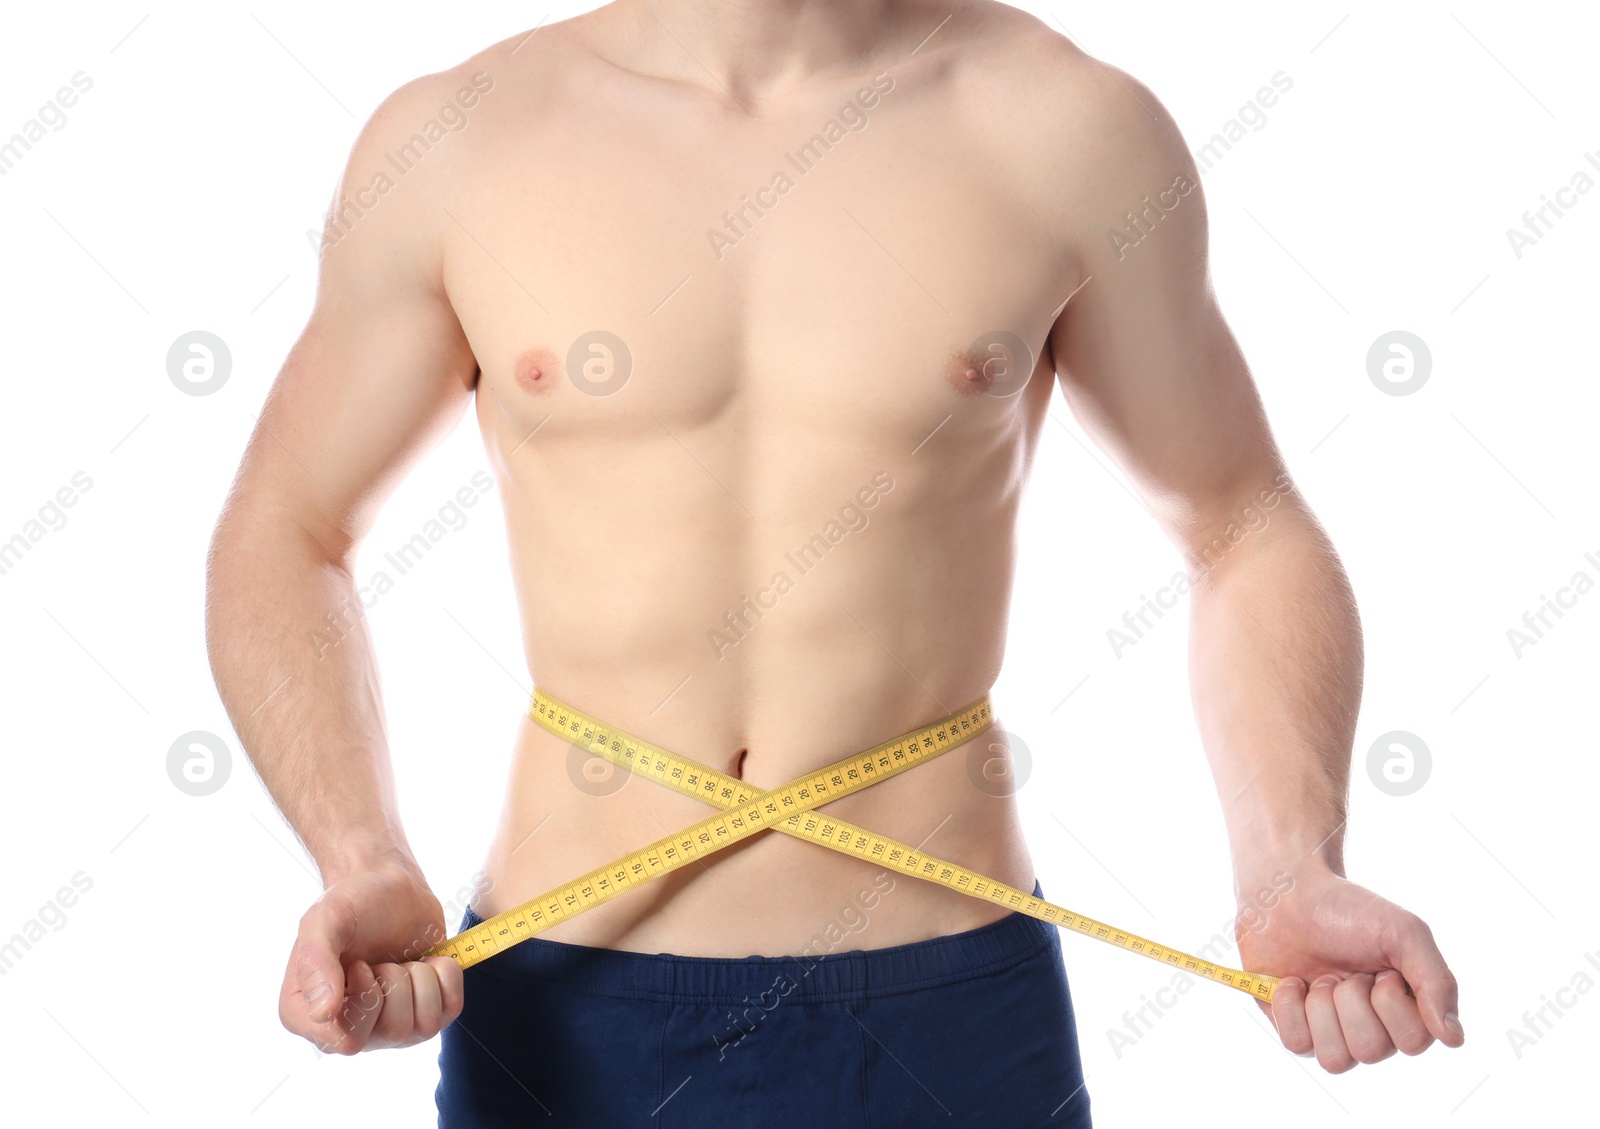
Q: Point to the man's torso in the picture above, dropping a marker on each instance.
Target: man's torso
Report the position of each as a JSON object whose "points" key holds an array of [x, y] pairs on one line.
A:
{"points": [[759, 511]]}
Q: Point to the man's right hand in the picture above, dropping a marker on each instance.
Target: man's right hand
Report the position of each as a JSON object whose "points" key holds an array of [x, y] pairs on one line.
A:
{"points": [[350, 985]]}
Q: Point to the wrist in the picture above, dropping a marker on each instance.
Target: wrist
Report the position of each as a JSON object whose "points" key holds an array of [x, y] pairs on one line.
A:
{"points": [[1280, 864], [366, 854]]}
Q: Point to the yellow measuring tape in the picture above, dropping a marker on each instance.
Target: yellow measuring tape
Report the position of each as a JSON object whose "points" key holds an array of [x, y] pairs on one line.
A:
{"points": [[789, 810]]}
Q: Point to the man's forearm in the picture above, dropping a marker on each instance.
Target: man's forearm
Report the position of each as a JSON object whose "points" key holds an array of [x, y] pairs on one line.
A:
{"points": [[302, 692], [1276, 673]]}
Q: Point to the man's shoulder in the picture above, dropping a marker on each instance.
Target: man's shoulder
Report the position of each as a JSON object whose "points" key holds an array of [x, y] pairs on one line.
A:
{"points": [[443, 128], [536, 62], [1079, 131]]}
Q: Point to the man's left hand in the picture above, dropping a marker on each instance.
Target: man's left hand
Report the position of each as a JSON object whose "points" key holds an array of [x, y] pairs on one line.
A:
{"points": [[1361, 977]]}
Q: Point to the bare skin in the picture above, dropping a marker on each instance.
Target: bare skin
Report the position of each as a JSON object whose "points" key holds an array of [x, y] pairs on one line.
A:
{"points": [[830, 346]]}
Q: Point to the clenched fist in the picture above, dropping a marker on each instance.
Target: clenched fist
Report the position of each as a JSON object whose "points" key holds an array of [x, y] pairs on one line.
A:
{"points": [[353, 980], [1361, 977]]}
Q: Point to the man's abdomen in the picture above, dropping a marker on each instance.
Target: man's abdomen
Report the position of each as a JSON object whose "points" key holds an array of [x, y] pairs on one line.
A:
{"points": [[568, 812]]}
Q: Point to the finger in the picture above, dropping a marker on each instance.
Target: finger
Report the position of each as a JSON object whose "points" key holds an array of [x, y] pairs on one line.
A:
{"points": [[1398, 1011], [291, 1000], [394, 1025], [1289, 1015], [1364, 1033], [452, 987], [1326, 1033], [294, 1014], [1421, 963], [326, 930], [427, 1004], [360, 1011]]}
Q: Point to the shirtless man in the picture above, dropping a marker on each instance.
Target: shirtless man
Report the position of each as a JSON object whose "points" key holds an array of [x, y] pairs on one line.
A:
{"points": [[713, 276]]}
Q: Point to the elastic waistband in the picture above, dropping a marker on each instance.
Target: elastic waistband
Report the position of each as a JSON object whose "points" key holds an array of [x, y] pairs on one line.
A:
{"points": [[719, 981]]}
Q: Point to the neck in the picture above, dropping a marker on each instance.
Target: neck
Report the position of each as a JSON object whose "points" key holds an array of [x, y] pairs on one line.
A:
{"points": [[752, 50]]}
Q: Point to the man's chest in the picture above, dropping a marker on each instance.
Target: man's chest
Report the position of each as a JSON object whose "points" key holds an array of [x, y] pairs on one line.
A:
{"points": [[858, 268]]}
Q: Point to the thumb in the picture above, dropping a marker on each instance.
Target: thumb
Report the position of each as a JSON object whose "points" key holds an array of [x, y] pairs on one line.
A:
{"points": [[326, 931], [1434, 985]]}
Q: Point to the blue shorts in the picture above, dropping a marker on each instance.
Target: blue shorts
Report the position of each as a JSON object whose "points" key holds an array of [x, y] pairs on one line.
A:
{"points": [[972, 1029]]}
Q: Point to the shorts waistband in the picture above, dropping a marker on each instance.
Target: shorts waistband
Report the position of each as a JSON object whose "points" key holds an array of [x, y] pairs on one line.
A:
{"points": [[718, 981]]}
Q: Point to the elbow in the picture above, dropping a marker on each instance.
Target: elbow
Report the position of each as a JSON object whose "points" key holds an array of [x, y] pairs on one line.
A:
{"points": [[259, 546], [1265, 521]]}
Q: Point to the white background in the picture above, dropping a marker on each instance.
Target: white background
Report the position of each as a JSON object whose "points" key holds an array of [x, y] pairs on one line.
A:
{"points": [[1376, 197]]}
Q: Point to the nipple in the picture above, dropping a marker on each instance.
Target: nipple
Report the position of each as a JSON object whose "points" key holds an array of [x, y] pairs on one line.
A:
{"points": [[535, 371], [997, 364], [967, 373]]}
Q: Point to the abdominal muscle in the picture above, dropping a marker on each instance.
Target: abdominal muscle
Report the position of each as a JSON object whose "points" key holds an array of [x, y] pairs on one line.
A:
{"points": [[633, 573]]}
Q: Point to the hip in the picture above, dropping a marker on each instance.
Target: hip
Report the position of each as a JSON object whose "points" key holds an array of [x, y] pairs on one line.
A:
{"points": [[976, 1025]]}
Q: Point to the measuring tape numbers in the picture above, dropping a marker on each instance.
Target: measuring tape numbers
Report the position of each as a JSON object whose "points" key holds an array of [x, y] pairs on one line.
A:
{"points": [[788, 810]]}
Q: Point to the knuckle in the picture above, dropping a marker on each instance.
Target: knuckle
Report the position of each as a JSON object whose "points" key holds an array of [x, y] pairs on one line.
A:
{"points": [[1352, 988], [1397, 929], [304, 964], [1369, 1051], [1414, 1043], [1335, 1063], [1389, 988]]}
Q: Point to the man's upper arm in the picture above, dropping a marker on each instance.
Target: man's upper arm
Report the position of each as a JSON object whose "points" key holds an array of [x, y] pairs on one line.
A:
{"points": [[382, 367], [1146, 361]]}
